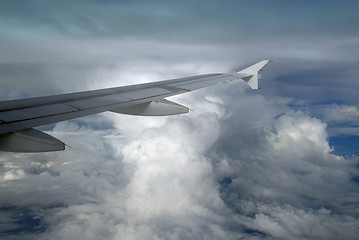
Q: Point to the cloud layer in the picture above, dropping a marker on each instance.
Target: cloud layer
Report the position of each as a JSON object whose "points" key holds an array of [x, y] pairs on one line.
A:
{"points": [[175, 179], [242, 164]]}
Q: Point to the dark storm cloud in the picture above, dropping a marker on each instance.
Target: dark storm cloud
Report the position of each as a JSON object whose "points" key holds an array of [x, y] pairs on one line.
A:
{"points": [[243, 164]]}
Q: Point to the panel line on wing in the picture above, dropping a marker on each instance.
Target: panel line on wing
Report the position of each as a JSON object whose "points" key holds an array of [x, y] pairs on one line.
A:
{"points": [[193, 85], [145, 93], [174, 89], [35, 112], [101, 107]]}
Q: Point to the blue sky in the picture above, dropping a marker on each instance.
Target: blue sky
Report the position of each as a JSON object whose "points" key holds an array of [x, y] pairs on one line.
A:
{"points": [[277, 163]]}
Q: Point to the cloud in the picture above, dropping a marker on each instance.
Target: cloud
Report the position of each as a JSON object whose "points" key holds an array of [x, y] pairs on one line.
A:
{"points": [[14, 174], [241, 164], [167, 178], [342, 119], [341, 113], [285, 222], [344, 131]]}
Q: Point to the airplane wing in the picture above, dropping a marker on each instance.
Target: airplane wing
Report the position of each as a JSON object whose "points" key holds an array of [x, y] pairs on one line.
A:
{"points": [[19, 117]]}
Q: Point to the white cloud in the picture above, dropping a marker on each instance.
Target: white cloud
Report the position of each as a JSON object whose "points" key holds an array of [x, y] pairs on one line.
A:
{"points": [[342, 113], [297, 135], [14, 174], [160, 179], [288, 222]]}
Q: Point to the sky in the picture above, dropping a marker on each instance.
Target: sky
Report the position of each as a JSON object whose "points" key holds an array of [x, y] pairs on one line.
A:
{"points": [[280, 162]]}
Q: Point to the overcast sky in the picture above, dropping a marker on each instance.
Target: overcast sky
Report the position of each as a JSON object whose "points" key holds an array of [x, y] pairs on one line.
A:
{"points": [[277, 163]]}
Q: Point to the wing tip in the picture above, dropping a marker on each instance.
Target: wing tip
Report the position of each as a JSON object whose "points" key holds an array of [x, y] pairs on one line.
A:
{"points": [[251, 73]]}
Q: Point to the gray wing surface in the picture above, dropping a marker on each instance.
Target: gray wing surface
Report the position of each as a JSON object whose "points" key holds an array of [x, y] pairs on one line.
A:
{"points": [[19, 117]]}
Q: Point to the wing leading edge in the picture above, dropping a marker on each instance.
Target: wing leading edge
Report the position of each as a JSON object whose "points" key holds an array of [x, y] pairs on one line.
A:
{"points": [[19, 117]]}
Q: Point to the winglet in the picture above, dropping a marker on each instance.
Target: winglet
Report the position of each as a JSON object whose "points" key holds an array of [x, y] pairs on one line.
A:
{"points": [[251, 73]]}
